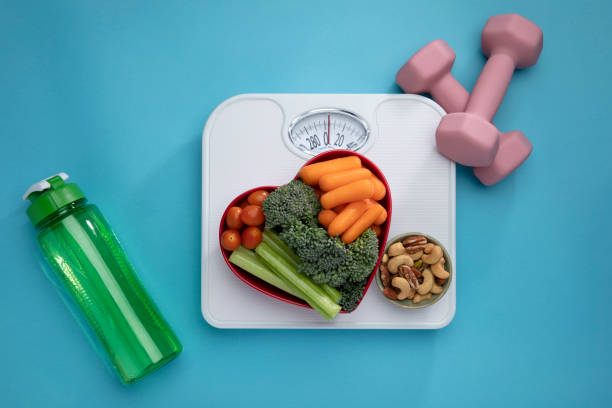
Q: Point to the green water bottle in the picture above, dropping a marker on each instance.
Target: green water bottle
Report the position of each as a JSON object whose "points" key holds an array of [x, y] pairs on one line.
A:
{"points": [[92, 269]]}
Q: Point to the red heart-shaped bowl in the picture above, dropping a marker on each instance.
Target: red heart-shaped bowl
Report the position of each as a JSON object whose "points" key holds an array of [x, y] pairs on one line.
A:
{"points": [[273, 291]]}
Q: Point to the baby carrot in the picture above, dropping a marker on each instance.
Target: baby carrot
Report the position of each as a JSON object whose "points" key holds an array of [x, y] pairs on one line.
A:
{"points": [[379, 189], [355, 191], [382, 217], [326, 217], [376, 230], [346, 218], [312, 173], [369, 202], [363, 223], [330, 181], [338, 209]]}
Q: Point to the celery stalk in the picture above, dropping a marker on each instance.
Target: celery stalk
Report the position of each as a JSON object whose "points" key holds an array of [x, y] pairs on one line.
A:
{"points": [[313, 294], [250, 262], [281, 248], [332, 292]]}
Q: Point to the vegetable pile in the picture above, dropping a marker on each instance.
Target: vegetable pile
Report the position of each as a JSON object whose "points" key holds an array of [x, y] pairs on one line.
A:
{"points": [[327, 268]]}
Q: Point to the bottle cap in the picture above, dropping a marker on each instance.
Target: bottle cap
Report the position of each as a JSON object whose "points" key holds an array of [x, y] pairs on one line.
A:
{"points": [[49, 195]]}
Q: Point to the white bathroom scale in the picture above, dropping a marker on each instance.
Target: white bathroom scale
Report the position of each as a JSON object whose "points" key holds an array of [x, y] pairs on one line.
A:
{"points": [[256, 140]]}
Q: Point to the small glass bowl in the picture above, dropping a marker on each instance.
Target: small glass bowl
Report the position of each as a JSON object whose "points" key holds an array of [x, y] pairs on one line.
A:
{"points": [[407, 303]]}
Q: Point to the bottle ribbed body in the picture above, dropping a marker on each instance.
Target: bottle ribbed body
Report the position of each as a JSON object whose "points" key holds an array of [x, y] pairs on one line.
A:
{"points": [[89, 263]]}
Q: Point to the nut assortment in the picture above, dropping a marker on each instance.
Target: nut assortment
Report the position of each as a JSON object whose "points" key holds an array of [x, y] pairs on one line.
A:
{"points": [[413, 269]]}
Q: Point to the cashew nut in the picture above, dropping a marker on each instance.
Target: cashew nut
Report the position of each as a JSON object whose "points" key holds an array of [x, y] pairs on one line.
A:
{"points": [[435, 289], [438, 269], [433, 256], [411, 294], [425, 287], [396, 261], [396, 249], [416, 255], [429, 247], [385, 258], [417, 298], [404, 287]]}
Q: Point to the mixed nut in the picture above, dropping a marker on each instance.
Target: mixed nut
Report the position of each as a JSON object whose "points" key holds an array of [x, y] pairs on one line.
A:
{"points": [[413, 269]]}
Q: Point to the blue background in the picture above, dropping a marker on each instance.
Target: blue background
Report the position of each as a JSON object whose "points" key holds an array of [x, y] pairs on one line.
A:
{"points": [[117, 93]]}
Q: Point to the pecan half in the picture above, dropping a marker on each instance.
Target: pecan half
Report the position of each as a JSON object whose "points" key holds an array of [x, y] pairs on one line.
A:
{"points": [[390, 293], [416, 272], [414, 243], [407, 273], [415, 240], [385, 277], [413, 249]]}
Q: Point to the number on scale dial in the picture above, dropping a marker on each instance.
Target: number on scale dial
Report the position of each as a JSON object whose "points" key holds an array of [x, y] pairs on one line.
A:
{"points": [[320, 130]]}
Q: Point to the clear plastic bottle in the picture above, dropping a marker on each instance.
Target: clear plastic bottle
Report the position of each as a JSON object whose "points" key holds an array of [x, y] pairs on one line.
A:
{"points": [[88, 262]]}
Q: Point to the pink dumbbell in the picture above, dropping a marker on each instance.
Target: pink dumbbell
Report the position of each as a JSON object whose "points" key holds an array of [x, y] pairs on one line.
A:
{"points": [[428, 70], [469, 138]]}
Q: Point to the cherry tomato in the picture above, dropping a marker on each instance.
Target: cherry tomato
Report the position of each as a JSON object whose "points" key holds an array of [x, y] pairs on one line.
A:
{"points": [[252, 215], [251, 237], [230, 239], [258, 197], [233, 220], [243, 204]]}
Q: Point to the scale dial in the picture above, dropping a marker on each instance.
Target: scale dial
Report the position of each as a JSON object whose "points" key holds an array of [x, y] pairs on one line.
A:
{"points": [[320, 130]]}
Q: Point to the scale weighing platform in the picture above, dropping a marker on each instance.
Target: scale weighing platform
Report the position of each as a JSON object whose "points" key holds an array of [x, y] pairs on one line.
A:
{"points": [[256, 140]]}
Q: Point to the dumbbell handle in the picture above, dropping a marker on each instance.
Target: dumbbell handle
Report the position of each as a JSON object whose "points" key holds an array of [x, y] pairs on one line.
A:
{"points": [[450, 94], [491, 86]]}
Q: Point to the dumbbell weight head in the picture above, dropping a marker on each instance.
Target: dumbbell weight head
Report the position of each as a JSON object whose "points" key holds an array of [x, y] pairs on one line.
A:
{"points": [[513, 35], [513, 150], [467, 139], [429, 70]]}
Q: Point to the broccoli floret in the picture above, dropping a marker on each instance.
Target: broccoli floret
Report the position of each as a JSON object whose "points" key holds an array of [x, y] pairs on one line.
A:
{"points": [[326, 259], [363, 257], [364, 254], [291, 203], [321, 256], [351, 294]]}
